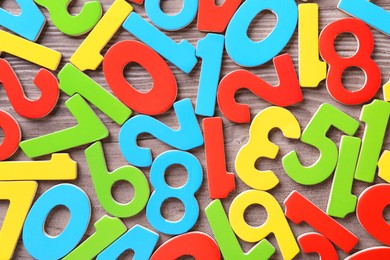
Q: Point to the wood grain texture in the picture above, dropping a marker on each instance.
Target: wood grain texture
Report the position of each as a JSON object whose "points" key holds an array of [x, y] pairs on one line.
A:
{"points": [[235, 135]]}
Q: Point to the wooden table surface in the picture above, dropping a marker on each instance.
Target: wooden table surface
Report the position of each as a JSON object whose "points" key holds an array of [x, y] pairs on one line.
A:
{"points": [[236, 135]]}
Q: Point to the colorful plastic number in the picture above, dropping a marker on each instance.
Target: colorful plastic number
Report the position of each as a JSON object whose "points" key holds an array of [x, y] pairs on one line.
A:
{"points": [[259, 146], [182, 54], [316, 243], [341, 201], [368, 12], [196, 244], [220, 182], [215, 18], [287, 93], [12, 135], [164, 90], [380, 252], [103, 181], [372, 203], [28, 24], [37, 242], [88, 56], [311, 70], [210, 50], [60, 167], [89, 129], [46, 83], [299, 209], [315, 135], [30, 51], [384, 166], [171, 22], [139, 239], [188, 135], [185, 193], [108, 230], [73, 81], [72, 24], [361, 59], [249, 53], [20, 195], [376, 117], [227, 240], [276, 222]]}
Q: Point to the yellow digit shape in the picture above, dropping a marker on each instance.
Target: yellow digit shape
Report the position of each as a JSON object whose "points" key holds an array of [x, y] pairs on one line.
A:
{"points": [[60, 167], [259, 146], [30, 51], [87, 56], [20, 195], [311, 70], [276, 222]]}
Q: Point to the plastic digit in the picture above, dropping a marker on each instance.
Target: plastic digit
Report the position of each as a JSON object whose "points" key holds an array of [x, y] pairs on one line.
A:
{"points": [[196, 244], [184, 193], [20, 195], [210, 50], [299, 209], [74, 81], [315, 135], [41, 245], [182, 54], [316, 243], [227, 240], [171, 22], [370, 208], [103, 181], [384, 166], [46, 83], [28, 24], [361, 59], [311, 70], [276, 222], [368, 12], [30, 51], [188, 135], [220, 182], [249, 53], [341, 201], [164, 90], [72, 25], [70, 137], [215, 18], [380, 252], [60, 167], [12, 135], [88, 56], [376, 117], [139, 239], [287, 93], [259, 146], [108, 230]]}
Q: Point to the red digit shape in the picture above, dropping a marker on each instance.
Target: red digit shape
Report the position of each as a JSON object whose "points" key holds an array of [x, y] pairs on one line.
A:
{"points": [[287, 93], [214, 18], [12, 135], [378, 253], [369, 211], [317, 243], [45, 81], [299, 209], [196, 244], [221, 182], [361, 59], [163, 93]]}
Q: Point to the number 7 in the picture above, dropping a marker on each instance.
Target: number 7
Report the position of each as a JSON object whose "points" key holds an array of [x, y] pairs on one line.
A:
{"points": [[20, 195]]}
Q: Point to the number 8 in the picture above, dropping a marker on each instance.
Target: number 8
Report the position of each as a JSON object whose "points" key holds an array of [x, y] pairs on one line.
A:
{"points": [[361, 59], [184, 193]]}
